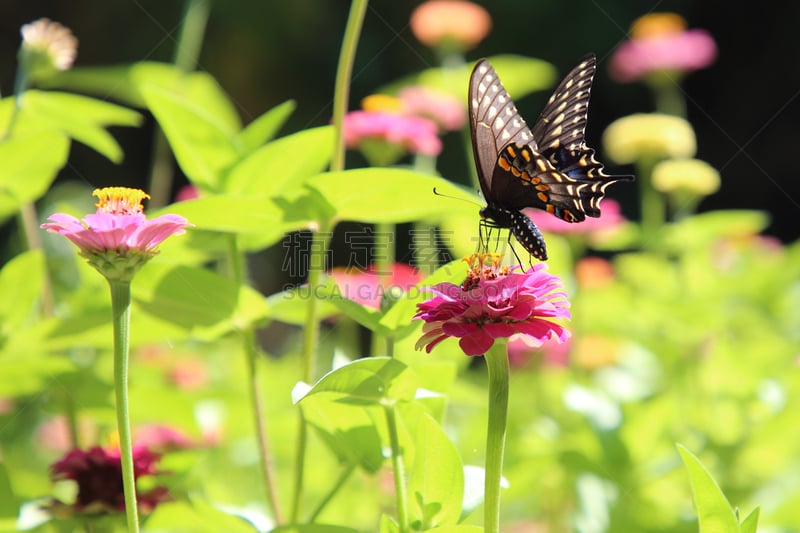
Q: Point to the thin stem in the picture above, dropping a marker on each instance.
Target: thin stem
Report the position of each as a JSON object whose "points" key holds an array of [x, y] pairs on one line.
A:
{"points": [[497, 368], [343, 477], [236, 271], [399, 469], [319, 245], [669, 98], [652, 202], [20, 85], [190, 42], [264, 455], [121, 309], [344, 72]]}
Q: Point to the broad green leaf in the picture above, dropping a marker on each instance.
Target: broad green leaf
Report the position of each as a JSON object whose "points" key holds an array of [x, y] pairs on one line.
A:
{"points": [[436, 479], [265, 127], [455, 529], [364, 315], [28, 166], [202, 142], [520, 76], [370, 381], [203, 91], [314, 528], [388, 525], [120, 82], [701, 230], [79, 117], [230, 214], [24, 373], [750, 524], [21, 285], [387, 194], [199, 300], [349, 432], [282, 163], [199, 517], [714, 513], [290, 306]]}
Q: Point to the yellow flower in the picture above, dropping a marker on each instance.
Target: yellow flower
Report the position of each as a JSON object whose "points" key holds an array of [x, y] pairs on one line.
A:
{"points": [[656, 25], [685, 176], [381, 103], [47, 46], [457, 22], [631, 138]]}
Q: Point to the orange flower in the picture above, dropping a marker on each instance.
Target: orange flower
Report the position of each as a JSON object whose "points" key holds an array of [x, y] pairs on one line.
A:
{"points": [[438, 22]]}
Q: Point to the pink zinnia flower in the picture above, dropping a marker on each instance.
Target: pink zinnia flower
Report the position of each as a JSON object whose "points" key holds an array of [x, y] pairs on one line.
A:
{"points": [[660, 42], [98, 474], [414, 134], [117, 239], [611, 218], [447, 111], [162, 438], [368, 287], [494, 302]]}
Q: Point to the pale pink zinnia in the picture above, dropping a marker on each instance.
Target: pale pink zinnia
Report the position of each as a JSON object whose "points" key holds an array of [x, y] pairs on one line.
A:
{"points": [[118, 238], [447, 111], [660, 42], [414, 134], [494, 302]]}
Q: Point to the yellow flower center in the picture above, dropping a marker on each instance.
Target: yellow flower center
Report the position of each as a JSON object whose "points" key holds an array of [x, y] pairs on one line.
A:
{"points": [[377, 103], [120, 200], [657, 25]]}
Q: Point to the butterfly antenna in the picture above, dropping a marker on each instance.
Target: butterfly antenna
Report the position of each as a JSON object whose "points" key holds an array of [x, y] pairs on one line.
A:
{"points": [[437, 193]]}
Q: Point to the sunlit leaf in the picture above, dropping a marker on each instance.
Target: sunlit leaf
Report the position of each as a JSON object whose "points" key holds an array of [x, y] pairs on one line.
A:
{"points": [[368, 381], [282, 163], [714, 513], [265, 127], [21, 286], [387, 194], [436, 479]]}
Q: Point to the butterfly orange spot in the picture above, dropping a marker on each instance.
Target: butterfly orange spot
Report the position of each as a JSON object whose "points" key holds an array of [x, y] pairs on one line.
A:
{"points": [[510, 150], [543, 197], [551, 209], [536, 181], [515, 171], [542, 187], [525, 176], [504, 164], [526, 155]]}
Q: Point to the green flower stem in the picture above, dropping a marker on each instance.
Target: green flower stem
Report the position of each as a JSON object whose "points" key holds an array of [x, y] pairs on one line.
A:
{"points": [[344, 72], [343, 477], [236, 271], [20, 85], [319, 244], [669, 98], [121, 310], [398, 467], [190, 41], [653, 206], [497, 367]]}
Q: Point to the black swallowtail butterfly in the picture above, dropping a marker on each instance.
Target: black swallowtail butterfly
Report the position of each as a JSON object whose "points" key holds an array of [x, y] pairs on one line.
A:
{"points": [[549, 168]]}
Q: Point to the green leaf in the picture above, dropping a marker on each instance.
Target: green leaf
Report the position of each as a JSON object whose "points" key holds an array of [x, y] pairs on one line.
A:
{"points": [[203, 91], [370, 381], [701, 230], [28, 166], [314, 528], [388, 525], [198, 300], [290, 306], [80, 117], [349, 432], [750, 524], [713, 510], [457, 529], [202, 142], [282, 163], [120, 82], [436, 480], [21, 285], [388, 194], [198, 517], [366, 316], [520, 75], [265, 127]]}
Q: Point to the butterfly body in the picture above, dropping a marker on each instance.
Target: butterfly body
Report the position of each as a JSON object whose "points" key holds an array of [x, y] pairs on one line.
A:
{"points": [[549, 167]]}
